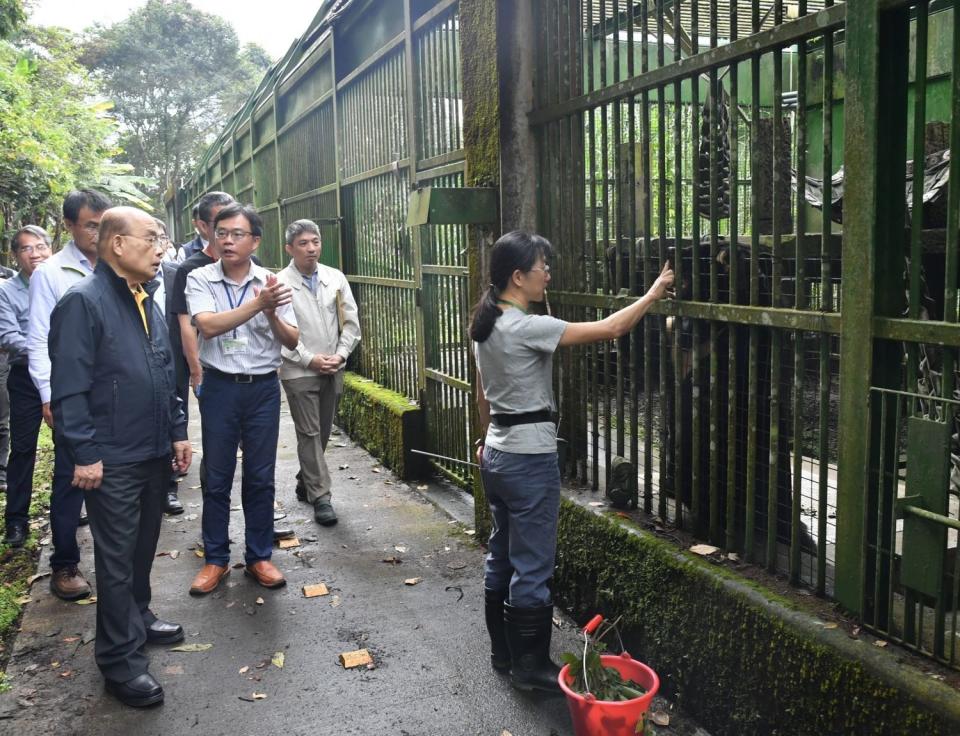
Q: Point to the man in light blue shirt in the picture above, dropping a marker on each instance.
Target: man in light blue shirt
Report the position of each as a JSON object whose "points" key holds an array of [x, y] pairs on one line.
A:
{"points": [[82, 211], [30, 247]]}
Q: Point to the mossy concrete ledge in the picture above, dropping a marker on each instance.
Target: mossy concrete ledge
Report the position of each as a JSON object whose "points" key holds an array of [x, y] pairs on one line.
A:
{"points": [[740, 659], [387, 424]]}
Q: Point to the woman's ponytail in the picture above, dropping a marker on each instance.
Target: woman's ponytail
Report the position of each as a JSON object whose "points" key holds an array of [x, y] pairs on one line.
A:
{"points": [[485, 314]]}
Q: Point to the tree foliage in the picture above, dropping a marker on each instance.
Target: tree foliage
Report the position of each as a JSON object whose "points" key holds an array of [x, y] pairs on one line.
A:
{"points": [[56, 133], [175, 75]]}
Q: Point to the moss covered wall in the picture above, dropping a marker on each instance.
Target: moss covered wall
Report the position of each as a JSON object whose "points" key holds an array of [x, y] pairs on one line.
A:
{"points": [[739, 659], [385, 423], [481, 106]]}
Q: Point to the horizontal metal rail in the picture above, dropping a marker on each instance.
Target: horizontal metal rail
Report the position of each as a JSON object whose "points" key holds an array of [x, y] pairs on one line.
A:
{"points": [[815, 24]]}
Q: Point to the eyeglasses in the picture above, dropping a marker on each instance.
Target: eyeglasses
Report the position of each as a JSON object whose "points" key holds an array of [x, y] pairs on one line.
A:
{"points": [[154, 240], [234, 234], [163, 239], [545, 269], [29, 249], [92, 227]]}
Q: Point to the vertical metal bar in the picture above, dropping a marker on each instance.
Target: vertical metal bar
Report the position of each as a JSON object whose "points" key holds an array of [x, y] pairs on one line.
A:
{"points": [[696, 440], [733, 392], [874, 153], [647, 230]]}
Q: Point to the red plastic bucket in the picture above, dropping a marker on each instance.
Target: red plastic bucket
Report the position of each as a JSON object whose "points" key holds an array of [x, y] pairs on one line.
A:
{"points": [[592, 717]]}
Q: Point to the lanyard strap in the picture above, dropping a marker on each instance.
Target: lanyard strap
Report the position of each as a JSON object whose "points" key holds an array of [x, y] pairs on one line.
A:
{"points": [[243, 293]]}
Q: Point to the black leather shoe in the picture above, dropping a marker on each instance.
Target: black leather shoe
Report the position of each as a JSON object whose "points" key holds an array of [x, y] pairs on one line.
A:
{"points": [[139, 692], [164, 632], [324, 514], [16, 535], [282, 533], [173, 506]]}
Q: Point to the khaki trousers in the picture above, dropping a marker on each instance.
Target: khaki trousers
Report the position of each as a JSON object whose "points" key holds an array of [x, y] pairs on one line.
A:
{"points": [[313, 402]]}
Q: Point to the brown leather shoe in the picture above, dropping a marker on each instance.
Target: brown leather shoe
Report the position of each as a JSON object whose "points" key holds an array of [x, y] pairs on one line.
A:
{"points": [[266, 573], [208, 579], [68, 584]]}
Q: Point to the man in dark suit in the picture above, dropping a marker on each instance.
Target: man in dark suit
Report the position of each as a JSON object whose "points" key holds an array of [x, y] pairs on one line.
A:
{"points": [[117, 414]]}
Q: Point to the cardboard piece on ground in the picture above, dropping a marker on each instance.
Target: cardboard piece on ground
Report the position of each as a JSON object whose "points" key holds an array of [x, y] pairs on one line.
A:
{"points": [[288, 543], [704, 549], [317, 589], [359, 658]]}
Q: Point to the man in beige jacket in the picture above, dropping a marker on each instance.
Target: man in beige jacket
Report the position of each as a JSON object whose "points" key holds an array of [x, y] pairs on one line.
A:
{"points": [[312, 373]]}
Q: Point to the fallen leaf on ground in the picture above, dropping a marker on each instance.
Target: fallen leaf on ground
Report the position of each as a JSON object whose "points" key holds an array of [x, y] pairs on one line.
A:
{"points": [[660, 718], [830, 625], [236, 508], [23, 600], [423, 487], [66, 673], [470, 532], [194, 488], [173, 669], [335, 601], [278, 660], [879, 643], [259, 696], [412, 581], [733, 557], [54, 665], [314, 590], [244, 670], [356, 658], [71, 639], [174, 554], [198, 552], [190, 517], [191, 648], [704, 550], [597, 503], [505, 732], [259, 601], [343, 467], [87, 601], [377, 470], [35, 578], [400, 548]]}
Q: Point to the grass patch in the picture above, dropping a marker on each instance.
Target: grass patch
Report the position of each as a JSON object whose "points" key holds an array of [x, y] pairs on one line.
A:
{"points": [[18, 565]]}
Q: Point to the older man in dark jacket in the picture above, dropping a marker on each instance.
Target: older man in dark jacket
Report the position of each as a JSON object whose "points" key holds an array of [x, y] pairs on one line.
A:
{"points": [[116, 411]]}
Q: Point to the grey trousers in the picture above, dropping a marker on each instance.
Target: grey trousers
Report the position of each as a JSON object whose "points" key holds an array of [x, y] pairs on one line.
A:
{"points": [[125, 516], [313, 403]]}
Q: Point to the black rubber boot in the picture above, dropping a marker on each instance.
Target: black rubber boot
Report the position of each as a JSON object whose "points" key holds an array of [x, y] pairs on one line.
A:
{"points": [[493, 610], [528, 637]]}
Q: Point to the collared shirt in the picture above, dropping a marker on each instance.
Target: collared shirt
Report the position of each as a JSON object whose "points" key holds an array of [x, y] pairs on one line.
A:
{"points": [[190, 248], [310, 282], [140, 296], [251, 348], [47, 285], [14, 314], [319, 316]]}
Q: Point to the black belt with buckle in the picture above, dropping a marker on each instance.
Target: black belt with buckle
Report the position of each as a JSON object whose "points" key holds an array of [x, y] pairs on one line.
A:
{"points": [[240, 377], [529, 417]]}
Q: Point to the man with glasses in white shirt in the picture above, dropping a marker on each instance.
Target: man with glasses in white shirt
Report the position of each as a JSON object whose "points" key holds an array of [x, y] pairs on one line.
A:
{"points": [[82, 211]]}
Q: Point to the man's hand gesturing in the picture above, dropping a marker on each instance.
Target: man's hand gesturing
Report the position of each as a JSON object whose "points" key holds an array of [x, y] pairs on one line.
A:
{"points": [[274, 295]]}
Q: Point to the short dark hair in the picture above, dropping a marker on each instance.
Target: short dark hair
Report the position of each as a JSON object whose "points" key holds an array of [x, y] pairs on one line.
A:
{"points": [[80, 198], [195, 212], [34, 230], [246, 210], [210, 200]]}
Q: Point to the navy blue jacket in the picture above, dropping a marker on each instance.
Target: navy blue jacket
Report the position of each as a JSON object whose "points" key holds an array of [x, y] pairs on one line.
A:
{"points": [[112, 388]]}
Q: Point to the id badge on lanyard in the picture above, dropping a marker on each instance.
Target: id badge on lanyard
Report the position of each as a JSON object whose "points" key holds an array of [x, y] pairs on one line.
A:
{"points": [[234, 345]]}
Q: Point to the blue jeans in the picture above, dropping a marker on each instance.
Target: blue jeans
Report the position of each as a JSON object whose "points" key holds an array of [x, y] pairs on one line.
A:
{"points": [[230, 413], [524, 496]]}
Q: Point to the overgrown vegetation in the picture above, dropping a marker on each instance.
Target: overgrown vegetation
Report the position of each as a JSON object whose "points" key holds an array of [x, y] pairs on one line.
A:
{"points": [[17, 566]]}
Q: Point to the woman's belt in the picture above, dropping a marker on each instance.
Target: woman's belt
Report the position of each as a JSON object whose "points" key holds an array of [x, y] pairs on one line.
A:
{"points": [[529, 417]]}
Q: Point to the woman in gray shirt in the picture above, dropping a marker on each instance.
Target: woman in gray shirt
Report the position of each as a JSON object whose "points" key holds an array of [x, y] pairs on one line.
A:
{"points": [[518, 449]]}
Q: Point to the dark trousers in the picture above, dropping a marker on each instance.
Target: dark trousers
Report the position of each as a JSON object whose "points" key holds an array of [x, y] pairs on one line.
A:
{"points": [[125, 515], [524, 496], [26, 415], [232, 413], [66, 500], [4, 416]]}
